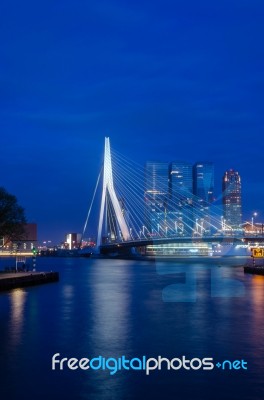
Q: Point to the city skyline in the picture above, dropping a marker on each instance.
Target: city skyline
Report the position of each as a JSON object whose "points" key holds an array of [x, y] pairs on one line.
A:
{"points": [[178, 195], [164, 80], [206, 197], [184, 193], [178, 201]]}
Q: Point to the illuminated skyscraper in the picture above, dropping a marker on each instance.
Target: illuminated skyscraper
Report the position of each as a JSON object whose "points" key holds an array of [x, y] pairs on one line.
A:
{"points": [[180, 195], [156, 178], [156, 195], [203, 186], [232, 200], [203, 181], [180, 180]]}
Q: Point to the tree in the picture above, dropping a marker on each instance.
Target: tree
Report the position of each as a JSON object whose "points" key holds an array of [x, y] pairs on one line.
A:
{"points": [[12, 218]]}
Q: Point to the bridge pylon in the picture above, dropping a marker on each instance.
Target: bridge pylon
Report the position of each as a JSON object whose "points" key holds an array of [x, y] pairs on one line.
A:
{"points": [[108, 187]]}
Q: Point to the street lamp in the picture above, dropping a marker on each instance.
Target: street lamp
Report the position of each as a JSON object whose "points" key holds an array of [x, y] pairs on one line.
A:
{"points": [[252, 221]]}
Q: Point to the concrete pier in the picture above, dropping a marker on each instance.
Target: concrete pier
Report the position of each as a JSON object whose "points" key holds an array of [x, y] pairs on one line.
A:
{"points": [[22, 279], [257, 270]]}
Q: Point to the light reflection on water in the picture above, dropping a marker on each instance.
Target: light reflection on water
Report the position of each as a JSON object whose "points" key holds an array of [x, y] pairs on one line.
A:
{"points": [[114, 308], [110, 312], [17, 305]]}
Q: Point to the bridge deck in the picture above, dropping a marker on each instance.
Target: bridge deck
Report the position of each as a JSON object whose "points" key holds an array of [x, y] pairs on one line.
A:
{"points": [[204, 239]]}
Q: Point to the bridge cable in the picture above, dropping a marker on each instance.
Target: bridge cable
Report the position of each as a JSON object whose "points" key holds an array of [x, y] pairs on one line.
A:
{"points": [[91, 205]]}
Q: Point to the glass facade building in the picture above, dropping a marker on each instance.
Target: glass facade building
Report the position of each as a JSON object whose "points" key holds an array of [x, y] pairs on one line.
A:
{"points": [[180, 180], [203, 181], [232, 207], [203, 187], [180, 198], [156, 197]]}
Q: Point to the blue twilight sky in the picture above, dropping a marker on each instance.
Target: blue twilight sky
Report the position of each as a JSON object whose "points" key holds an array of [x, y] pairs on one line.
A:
{"points": [[166, 80]]}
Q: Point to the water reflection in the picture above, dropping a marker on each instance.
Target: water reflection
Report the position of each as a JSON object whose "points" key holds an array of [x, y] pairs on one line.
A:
{"points": [[67, 298], [18, 301], [110, 330], [258, 295], [111, 299], [257, 328], [114, 308]]}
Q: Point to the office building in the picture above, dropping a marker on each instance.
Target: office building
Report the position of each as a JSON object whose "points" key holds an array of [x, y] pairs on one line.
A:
{"points": [[73, 240], [156, 197], [203, 182], [203, 187], [180, 195], [232, 209], [180, 180]]}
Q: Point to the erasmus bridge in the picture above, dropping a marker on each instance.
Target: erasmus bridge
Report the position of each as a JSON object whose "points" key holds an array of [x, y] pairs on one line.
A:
{"points": [[150, 219]]}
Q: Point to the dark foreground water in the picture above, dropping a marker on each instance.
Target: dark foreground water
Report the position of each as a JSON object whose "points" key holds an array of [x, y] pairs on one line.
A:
{"points": [[126, 308]]}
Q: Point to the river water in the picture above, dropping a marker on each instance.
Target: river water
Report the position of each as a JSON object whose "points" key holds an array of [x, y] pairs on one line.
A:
{"points": [[115, 308]]}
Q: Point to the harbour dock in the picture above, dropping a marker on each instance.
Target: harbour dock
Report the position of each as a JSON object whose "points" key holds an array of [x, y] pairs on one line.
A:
{"points": [[254, 269], [13, 280]]}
